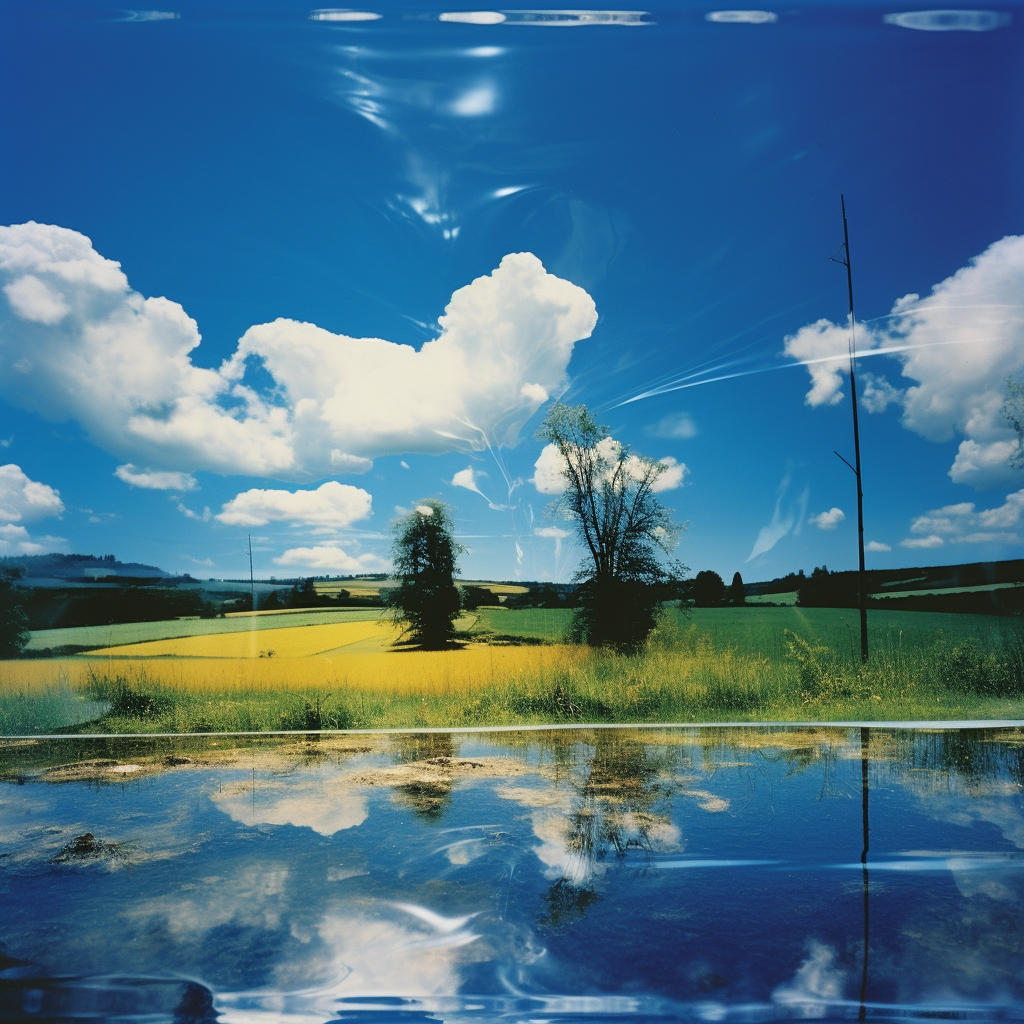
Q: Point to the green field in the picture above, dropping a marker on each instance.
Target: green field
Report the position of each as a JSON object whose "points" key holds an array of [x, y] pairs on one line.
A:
{"points": [[715, 664], [753, 631], [169, 629]]}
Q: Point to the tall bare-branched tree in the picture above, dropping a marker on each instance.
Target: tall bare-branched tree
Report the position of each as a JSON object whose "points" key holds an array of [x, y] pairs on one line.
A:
{"points": [[609, 496]]}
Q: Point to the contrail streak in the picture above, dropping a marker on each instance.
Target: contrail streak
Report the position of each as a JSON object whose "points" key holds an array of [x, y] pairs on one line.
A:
{"points": [[838, 357]]}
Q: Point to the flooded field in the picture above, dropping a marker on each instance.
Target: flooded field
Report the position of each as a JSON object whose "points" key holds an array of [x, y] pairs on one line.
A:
{"points": [[712, 874]]}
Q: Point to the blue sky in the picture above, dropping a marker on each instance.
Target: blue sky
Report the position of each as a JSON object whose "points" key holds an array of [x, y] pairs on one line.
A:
{"points": [[284, 184]]}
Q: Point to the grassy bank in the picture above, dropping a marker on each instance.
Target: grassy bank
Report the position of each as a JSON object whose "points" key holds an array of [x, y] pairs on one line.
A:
{"points": [[741, 665]]}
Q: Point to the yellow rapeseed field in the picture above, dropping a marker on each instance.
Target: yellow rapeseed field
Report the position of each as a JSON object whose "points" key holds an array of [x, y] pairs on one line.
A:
{"points": [[399, 672], [288, 642]]}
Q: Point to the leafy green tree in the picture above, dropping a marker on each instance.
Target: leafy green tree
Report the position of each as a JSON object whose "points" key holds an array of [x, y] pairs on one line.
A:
{"points": [[1013, 412], [707, 589], [14, 633], [609, 497], [425, 554], [737, 595]]}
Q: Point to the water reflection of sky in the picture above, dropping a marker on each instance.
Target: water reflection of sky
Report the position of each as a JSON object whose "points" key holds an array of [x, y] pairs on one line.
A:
{"points": [[610, 875]]}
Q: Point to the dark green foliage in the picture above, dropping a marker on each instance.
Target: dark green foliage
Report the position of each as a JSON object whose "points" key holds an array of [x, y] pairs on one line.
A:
{"points": [[13, 620], [424, 553], [737, 595], [544, 595], [609, 498], [58, 609], [478, 597], [707, 589], [824, 589]]}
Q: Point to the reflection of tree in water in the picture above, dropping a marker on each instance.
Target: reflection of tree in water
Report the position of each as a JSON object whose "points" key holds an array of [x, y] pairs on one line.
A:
{"points": [[615, 809], [427, 798], [979, 758]]}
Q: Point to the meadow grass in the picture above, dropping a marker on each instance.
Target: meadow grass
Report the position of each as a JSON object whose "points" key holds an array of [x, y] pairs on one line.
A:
{"points": [[142, 632], [686, 674]]}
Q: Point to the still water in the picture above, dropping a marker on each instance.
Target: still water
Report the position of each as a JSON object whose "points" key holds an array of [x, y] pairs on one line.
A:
{"points": [[698, 874]]}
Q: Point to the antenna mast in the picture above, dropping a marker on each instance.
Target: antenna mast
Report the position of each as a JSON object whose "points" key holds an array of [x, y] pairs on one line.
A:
{"points": [[252, 583], [861, 582]]}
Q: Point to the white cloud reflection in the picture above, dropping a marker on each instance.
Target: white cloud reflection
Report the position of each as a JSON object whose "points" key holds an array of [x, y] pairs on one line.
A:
{"points": [[572, 19], [304, 803], [473, 17], [331, 14], [948, 21], [743, 17]]}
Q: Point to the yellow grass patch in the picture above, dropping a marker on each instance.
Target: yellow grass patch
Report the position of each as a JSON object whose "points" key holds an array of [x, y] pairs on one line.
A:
{"points": [[401, 672], [289, 642]]}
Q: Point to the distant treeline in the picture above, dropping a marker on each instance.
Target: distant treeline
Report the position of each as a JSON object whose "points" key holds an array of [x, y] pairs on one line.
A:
{"points": [[61, 566], [58, 609]]}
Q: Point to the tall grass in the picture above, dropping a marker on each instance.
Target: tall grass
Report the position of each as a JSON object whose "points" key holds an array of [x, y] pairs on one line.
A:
{"points": [[684, 675]]}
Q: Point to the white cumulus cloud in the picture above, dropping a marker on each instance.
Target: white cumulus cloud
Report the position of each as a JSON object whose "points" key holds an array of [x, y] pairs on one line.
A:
{"points": [[828, 520], [330, 505], [330, 556], [877, 545], [957, 347], [933, 541], [159, 480], [23, 499], [964, 523], [79, 343], [824, 347], [15, 540]]}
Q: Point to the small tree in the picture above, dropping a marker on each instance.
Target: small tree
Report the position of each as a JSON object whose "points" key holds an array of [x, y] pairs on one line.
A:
{"points": [[737, 595], [609, 497], [425, 552], [14, 633]]}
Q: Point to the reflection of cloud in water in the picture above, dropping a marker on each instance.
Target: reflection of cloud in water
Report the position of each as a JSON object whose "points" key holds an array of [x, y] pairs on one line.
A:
{"points": [[329, 14], [256, 897], [304, 803], [555, 815], [949, 21], [414, 954], [1004, 810], [707, 801], [816, 983], [149, 16], [743, 17], [473, 17], [570, 19]]}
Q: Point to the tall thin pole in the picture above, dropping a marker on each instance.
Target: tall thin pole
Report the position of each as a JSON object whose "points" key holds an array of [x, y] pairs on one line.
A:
{"points": [[861, 581], [252, 582], [865, 744]]}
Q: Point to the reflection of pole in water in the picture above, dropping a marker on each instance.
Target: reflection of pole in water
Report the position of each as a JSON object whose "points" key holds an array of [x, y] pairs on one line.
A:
{"points": [[864, 741]]}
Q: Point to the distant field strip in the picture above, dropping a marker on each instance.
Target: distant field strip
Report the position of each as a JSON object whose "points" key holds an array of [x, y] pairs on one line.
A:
{"points": [[142, 632], [289, 642], [948, 590]]}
